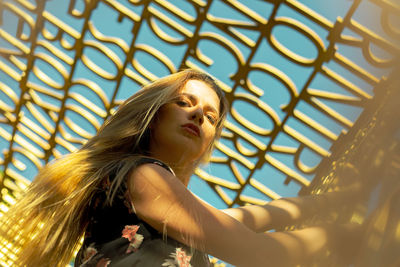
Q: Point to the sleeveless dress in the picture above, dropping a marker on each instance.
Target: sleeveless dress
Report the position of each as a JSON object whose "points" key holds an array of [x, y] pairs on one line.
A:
{"points": [[115, 236]]}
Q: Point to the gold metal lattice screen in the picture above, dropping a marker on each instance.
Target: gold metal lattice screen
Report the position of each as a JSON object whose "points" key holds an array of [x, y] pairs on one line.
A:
{"points": [[295, 79]]}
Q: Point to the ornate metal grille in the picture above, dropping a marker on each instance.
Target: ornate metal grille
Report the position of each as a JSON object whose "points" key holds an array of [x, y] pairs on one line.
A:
{"points": [[295, 76]]}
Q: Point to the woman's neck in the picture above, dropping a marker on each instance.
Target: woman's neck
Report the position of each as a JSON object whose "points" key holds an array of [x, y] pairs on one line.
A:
{"points": [[183, 174]]}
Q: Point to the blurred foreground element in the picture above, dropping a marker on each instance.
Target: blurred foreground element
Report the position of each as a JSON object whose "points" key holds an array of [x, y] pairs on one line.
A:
{"points": [[367, 159]]}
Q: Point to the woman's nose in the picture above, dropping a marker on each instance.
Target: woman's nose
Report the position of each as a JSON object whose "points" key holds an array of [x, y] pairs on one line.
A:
{"points": [[197, 115]]}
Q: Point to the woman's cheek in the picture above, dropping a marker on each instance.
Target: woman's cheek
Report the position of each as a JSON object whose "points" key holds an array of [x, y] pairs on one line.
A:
{"points": [[210, 136]]}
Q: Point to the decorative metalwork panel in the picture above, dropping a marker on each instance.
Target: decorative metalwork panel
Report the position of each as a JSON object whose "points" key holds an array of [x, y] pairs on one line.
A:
{"points": [[369, 156], [297, 75]]}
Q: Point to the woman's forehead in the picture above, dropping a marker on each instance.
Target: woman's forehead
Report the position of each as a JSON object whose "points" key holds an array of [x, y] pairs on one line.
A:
{"points": [[202, 92]]}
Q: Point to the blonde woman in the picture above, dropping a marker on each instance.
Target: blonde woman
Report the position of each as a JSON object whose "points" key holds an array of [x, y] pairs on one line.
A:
{"points": [[125, 191]]}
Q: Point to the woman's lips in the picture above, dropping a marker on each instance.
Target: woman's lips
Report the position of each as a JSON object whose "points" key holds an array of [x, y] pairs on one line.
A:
{"points": [[191, 128]]}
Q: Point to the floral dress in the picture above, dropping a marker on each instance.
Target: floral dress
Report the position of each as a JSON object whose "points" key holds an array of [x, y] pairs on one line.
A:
{"points": [[115, 236]]}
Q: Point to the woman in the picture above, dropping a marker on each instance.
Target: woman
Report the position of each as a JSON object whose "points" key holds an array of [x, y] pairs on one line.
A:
{"points": [[125, 191]]}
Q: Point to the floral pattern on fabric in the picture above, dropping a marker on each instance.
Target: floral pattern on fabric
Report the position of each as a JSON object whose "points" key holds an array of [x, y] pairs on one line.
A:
{"points": [[89, 253], [135, 239], [179, 259], [93, 258]]}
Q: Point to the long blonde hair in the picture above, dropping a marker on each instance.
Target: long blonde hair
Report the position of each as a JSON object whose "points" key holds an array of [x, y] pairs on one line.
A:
{"points": [[48, 222]]}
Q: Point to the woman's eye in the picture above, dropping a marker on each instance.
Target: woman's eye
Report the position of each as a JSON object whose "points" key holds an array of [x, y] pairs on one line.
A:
{"points": [[182, 103], [211, 119]]}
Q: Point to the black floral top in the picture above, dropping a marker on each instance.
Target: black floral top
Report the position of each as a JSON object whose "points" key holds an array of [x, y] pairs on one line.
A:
{"points": [[115, 236]]}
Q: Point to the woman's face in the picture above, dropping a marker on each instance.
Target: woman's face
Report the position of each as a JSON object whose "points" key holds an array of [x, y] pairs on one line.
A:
{"points": [[186, 126]]}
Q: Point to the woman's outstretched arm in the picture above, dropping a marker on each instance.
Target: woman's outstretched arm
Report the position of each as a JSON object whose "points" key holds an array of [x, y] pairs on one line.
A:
{"points": [[281, 212], [166, 204], [288, 211]]}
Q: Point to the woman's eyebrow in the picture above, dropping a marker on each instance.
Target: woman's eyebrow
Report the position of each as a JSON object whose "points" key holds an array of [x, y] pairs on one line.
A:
{"points": [[194, 99]]}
